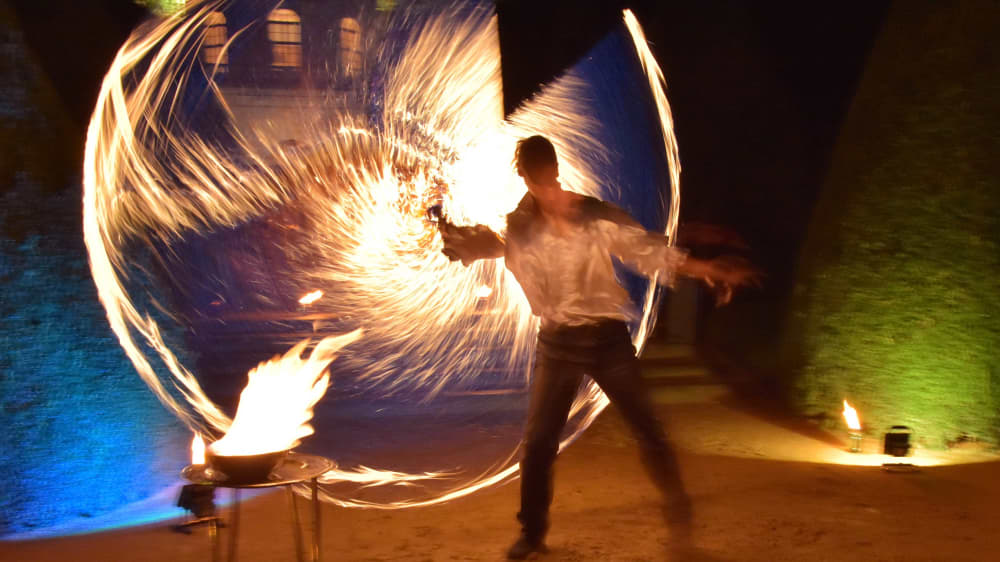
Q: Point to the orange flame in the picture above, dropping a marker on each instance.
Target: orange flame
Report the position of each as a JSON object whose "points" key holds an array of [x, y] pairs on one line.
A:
{"points": [[197, 449], [276, 404], [851, 417]]}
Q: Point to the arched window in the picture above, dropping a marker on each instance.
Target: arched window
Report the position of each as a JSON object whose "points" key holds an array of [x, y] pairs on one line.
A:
{"points": [[349, 52], [284, 30], [216, 35]]}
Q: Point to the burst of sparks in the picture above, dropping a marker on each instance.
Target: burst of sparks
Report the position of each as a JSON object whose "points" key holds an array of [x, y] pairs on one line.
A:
{"points": [[657, 86], [360, 194], [311, 297]]}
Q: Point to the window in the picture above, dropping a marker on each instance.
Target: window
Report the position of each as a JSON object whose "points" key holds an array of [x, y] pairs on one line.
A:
{"points": [[216, 35], [349, 53], [284, 30]]}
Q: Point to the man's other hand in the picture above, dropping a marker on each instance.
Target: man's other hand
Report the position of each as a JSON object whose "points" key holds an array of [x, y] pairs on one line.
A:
{"points": [[726, 273]]}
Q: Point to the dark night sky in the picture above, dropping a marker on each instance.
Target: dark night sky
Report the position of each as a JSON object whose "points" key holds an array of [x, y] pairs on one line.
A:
{"points": [[758, 90], [75, 42]]}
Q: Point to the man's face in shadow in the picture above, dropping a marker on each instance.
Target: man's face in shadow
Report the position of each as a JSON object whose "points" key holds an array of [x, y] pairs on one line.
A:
{"points": [[542, 180]]}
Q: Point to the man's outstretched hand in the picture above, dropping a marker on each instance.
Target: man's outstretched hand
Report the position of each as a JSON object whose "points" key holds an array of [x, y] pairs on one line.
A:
{"points": [[452, 238], [728, 273], [723, 275], [466, 243], [449, 232]]}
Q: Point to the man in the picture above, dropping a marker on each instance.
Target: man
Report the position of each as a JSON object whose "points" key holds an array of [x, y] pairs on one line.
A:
{"points": [[558, 245]]}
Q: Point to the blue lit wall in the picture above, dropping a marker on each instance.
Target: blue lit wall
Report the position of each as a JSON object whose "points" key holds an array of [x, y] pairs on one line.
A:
{"points": [[81, 438], [82, 435]]}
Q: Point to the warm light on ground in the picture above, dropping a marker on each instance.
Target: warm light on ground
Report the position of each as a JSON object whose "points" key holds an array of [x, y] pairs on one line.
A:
{"points": [[918, 459], [723, 430]]}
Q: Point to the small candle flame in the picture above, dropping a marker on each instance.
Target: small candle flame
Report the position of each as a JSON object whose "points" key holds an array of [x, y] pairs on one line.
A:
{"points": [[851, 417], [484, 291], [312, 297], [197, 450]]}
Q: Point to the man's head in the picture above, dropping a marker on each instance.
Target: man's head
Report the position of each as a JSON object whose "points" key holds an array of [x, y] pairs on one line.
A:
{"points": [[536, 162]]}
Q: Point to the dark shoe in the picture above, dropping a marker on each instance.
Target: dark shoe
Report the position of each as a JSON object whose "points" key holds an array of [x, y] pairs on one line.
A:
{"points": [[678, 515], [678, 512], [525, 547]]}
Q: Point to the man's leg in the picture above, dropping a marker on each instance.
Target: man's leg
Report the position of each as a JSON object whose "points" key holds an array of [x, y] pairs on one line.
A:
{"points": [[553, 387], [620, 378]]}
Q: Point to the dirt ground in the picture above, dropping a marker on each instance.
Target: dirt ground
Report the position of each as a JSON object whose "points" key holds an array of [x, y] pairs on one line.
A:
{"points": [[765, 489]]}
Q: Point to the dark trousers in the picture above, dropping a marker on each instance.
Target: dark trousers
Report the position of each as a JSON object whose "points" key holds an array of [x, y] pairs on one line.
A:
{"points": [[563, 356]]}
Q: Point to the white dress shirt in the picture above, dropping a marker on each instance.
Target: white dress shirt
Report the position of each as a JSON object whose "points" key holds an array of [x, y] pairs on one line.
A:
{"points": [[566, 270]]}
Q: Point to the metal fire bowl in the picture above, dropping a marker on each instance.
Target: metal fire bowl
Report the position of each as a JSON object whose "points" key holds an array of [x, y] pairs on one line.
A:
{"points": [[243, 470]]}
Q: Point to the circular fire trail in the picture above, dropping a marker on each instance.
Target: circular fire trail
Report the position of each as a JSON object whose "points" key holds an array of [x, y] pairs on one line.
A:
{"points": [[198, 232]]}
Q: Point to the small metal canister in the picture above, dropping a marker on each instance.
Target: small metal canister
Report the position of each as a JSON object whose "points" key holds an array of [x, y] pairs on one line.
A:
{"points": [[897, 441]]}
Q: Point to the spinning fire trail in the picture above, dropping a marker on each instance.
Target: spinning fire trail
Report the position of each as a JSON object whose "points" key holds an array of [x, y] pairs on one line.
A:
{"points": [[349, 201]]}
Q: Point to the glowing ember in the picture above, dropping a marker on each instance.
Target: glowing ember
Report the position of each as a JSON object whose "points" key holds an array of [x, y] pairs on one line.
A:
{"points": [[484, 291], [276, 405], [311, 297], [851, 417], [197, 449]]}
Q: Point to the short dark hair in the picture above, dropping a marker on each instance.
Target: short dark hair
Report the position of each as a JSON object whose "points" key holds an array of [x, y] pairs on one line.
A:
{"points": [[533, 152]]}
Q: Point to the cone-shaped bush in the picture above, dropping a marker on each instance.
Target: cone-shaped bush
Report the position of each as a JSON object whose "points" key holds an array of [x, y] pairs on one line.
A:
{"points": [[897, 301]]}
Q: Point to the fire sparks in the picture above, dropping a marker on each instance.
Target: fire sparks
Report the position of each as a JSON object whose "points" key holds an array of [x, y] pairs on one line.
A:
{"points": [[311, 297], [359, 193], [851, 417]]}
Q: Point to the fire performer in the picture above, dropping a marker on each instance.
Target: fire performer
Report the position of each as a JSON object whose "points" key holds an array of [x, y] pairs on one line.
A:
{"points": [[558, 245]]}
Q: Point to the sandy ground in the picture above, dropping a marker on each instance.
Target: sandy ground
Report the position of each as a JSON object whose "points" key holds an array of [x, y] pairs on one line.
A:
{"points": [[759, 495]]}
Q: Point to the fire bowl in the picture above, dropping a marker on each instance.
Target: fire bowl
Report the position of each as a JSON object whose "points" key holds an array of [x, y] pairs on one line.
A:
{"points": [[245, 469]]}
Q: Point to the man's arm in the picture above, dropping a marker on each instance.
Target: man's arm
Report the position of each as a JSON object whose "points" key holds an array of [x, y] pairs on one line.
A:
{"points": [[646, 252], [650, 254], [722, 274], [470, 243]]}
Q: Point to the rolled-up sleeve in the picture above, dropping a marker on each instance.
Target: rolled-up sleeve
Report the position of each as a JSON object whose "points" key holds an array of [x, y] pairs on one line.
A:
{"points": [[648, 253]]}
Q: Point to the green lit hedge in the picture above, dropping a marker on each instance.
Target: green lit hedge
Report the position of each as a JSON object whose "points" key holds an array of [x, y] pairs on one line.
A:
{"points": [[897, 303]]}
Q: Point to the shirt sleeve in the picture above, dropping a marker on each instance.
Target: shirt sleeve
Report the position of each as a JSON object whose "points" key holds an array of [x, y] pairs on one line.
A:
{"points": [[648, 253], [471, 243]]}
